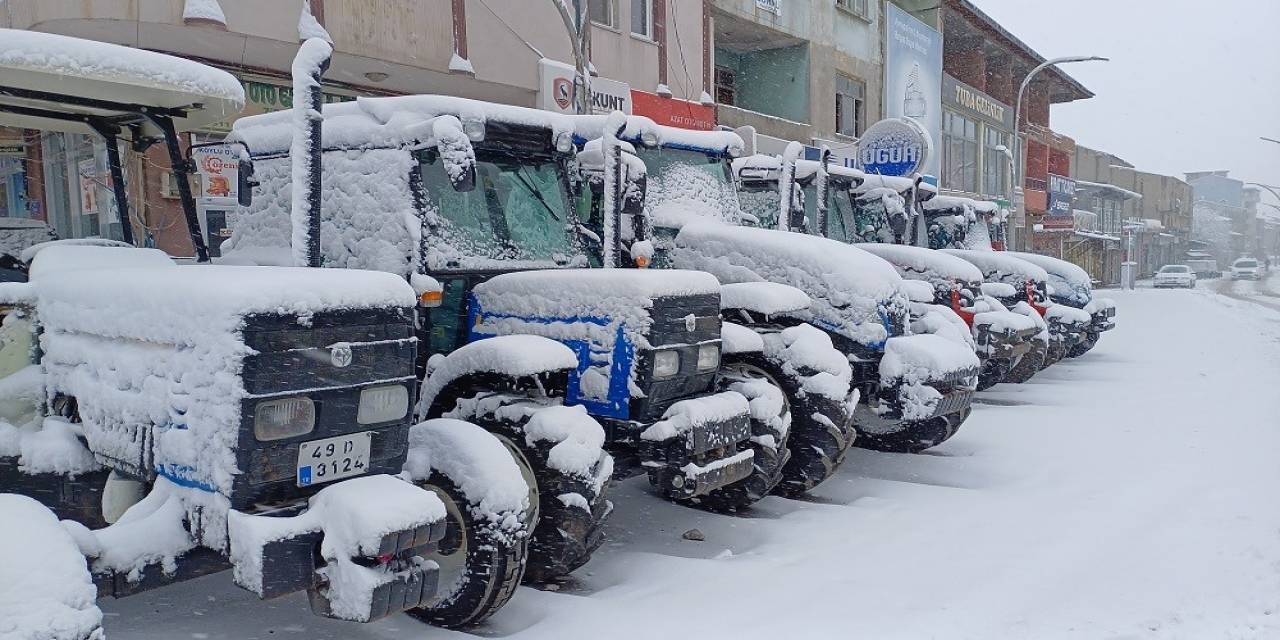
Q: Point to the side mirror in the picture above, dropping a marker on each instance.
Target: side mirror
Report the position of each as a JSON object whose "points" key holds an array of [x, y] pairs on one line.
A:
{"points": [[245, 183], [461, 175], [633, 199], [456, 152]]}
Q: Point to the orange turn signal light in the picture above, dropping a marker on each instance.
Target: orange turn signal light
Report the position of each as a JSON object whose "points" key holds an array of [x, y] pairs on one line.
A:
{"points": [[642, 262], [431, 298]]}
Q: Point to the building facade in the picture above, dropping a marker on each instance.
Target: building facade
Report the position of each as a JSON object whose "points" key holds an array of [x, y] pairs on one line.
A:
{"points": [[651, 57]]}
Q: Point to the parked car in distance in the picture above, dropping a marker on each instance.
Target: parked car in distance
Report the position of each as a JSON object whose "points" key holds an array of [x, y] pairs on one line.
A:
{"points": [[1175, 275], [1246, 269]]}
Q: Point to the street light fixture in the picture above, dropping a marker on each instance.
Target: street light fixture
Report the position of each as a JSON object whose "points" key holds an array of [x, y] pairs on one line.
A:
{"points": [[1015, 186]]}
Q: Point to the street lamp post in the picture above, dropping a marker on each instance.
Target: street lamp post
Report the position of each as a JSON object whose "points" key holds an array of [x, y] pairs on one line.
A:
{"points": [[1020, 164], [578, 25]]}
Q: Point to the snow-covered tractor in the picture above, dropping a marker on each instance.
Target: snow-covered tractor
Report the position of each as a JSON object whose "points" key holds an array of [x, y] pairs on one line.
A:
{"points": [[956, 222], [914, 390], [1002, 338], [1070, 285], [511, 258], [188, 419], [1024, 287]]}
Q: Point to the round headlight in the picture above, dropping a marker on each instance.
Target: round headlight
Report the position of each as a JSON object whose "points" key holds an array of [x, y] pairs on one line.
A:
{"points": [[564, 142], [649, 139], [474, 128]]}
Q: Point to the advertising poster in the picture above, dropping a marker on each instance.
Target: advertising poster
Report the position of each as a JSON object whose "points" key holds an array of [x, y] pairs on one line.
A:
{"points": [[88, 170], [219, 169], [913, 77]]}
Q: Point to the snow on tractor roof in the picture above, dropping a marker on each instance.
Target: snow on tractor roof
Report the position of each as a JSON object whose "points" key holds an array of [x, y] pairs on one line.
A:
{"points": [[101, 71], [642, 131], [923, 263], [766, 167], [874, 180], [389, 122], [999, 266]]}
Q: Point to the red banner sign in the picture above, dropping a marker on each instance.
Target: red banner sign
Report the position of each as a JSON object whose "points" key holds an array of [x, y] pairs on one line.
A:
{"points": [[673, 112]]}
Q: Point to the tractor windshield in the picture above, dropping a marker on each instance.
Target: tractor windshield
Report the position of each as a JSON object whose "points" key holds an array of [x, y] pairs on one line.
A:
{"points": [[517, 214], [684, 183]]}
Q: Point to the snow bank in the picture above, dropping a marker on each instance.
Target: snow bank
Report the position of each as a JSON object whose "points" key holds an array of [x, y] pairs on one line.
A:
{"points": [[511, 355], [153, 531], [768, 298], [475, 460], [687, 415], [46, 592], [846, 285]]}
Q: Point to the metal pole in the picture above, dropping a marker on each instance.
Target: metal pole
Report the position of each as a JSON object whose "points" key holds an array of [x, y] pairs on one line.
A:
{"points": [[181, 175], [1020, 153], [315, 160], [583, 102], [109, 132]]}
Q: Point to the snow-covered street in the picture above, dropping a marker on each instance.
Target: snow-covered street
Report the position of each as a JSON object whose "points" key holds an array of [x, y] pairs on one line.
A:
{"points": [[1125, 494]]}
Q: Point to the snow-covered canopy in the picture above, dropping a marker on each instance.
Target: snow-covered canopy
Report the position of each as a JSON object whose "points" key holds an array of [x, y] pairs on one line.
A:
{"points": [[998, 266], [390, 122], [1067, 279], [1109, 189], [765, 167], [920, 263], [102, 71]]}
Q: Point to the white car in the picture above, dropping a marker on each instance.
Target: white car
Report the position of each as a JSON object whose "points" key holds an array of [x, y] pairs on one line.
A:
{"points": [[1246, 269], [1175, 275]]}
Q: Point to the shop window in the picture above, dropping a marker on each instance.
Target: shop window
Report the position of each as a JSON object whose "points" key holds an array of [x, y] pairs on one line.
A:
{"points": [[642, 18], [604, 12], [959, 152], [858, 8], [726, 85], [995, 164], [850, 100]]}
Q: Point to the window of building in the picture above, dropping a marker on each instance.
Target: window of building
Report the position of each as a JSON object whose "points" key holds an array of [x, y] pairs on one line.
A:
{"points": [[604, 12], [995, 164], [850, 99], [859, 8], [726, 89], [642, 18], [959, 152]]}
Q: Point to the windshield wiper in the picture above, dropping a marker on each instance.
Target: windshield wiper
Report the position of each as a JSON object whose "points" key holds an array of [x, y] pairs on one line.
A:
{"points": [[535, 193]]}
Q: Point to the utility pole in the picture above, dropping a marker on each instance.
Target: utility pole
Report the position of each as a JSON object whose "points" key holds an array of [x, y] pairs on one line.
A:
{"points": [[577, 23]]}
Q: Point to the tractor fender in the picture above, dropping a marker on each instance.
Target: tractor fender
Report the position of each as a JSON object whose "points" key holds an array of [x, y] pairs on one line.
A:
{"points": [[498, 360]]}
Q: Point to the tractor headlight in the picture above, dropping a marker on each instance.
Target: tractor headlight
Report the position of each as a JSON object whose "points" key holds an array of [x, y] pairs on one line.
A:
{"points": [[649, 139], [474, 128], [284, 418], [665, 364], [564, 142], [383, 404], [708, 357]]}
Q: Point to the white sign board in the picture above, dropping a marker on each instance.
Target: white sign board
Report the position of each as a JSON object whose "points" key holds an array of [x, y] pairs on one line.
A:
{"points": [[218, 167], [556, 89], [772, 6]]}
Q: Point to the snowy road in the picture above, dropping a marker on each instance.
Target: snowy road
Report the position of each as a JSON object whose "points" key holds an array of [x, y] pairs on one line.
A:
{"points": [[1126, 494]]}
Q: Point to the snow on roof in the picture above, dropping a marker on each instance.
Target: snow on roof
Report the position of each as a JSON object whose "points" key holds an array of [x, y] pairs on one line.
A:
{"points": [[912, 262], [949, 203], [874, 180], [999, 265], [644, 131], [103, 71], [389, 121], [1062, 274], [639, 284], [1110, 188]]}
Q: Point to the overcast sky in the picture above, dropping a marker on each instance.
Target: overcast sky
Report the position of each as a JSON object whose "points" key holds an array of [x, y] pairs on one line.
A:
{"points": [[1190, 87]]}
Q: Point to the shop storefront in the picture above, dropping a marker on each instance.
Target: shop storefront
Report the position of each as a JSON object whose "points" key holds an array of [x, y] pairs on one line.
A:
{"points": [[977, 135]]}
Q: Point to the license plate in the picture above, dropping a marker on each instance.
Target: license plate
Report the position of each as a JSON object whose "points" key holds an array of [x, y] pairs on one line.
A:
{"points": [[321, 461]]}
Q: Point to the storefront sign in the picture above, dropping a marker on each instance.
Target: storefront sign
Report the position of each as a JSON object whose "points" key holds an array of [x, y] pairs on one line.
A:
{"points": [[266, 97], [556, 88], [218, 167], [913, 75], [976, 104], [772, 6], [12, 150], [894, 147], [1061, 203], [672, 112]]}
